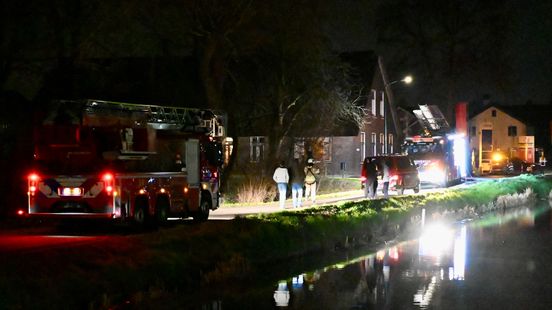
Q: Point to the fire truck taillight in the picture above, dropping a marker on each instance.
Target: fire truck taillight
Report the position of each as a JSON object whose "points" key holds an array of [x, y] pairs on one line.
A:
{"points": [[108, 180], [33, 183]]}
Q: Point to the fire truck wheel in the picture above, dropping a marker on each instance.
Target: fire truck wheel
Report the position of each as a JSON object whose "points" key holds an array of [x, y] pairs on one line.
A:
{"points": [[417, 189], [203, 213], [141, 216], [162, 210]]}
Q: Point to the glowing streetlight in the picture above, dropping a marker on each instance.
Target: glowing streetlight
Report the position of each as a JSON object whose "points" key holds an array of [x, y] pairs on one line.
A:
{"points": [[407, 80]]}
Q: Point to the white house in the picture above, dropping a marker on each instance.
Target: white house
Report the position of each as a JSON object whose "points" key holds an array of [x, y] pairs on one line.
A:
{"points": [[494, 131]]}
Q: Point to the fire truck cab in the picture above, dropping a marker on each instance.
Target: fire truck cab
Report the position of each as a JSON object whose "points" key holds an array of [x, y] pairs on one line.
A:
{"points": [[121, 161]]}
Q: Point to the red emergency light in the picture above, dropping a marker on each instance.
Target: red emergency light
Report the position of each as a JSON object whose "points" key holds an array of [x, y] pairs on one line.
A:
{"points": [[33, 179], [108, 180]]}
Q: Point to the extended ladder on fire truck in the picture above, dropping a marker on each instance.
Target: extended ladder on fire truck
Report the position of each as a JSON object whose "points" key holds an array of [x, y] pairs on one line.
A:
{"points": [[431, 120], [167, 117]]}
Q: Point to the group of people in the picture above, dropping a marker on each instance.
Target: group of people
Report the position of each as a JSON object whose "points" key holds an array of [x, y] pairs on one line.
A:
{"points": [[299, 178], [370, 172]]}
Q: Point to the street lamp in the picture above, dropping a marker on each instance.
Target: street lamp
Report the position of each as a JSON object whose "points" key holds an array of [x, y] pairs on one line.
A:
{"points": [[407, 80]]}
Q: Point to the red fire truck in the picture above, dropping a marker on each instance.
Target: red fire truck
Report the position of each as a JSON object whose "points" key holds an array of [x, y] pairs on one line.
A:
{"points": [[434, 157], [121, 161]]}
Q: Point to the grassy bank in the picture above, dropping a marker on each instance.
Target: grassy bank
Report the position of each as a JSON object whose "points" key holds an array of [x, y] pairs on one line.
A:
{"points": [[186, 257]]}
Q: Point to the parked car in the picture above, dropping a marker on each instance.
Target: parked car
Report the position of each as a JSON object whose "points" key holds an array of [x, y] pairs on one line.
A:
{"points": [[517, 166], [403, 173]]}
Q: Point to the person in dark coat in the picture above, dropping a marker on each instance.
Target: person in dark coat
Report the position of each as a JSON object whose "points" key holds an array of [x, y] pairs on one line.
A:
{"points": [[296, 179], [369, 176]]}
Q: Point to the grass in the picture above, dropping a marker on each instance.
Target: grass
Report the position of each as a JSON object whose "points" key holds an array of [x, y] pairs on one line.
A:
{"points": [[190, 256], [258, 191]]}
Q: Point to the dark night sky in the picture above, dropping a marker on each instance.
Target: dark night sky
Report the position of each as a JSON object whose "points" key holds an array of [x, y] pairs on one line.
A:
{"points": [[530, 43]]}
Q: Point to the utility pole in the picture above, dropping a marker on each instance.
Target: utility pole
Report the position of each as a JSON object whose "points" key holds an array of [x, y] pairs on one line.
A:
{"points": [[392, 109]]}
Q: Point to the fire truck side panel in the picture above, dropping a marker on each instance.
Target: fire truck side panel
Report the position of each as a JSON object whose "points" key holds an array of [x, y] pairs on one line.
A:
{"points": [[192, 161]]}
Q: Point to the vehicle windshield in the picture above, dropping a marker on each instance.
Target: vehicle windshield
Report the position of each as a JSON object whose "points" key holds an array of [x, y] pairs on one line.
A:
{"points": [[422, 148]]}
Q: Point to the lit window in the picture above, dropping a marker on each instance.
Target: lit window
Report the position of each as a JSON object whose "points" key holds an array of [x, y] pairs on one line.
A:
{"points": [[362, 144], [382, 143], [299, 148], [382, 105], [390, 143], [327, 144], [374, 144], [256, 149], [374, 97]]}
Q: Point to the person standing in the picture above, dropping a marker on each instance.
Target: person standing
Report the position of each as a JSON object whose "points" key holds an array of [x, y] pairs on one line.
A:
{"points": [[369, 175], [281, 177], [385, 178], [310, 180], [297, 178]]}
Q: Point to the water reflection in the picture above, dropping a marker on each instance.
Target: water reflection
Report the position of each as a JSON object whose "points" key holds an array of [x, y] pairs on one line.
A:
{"points": [[378, 280], [436, 270]]}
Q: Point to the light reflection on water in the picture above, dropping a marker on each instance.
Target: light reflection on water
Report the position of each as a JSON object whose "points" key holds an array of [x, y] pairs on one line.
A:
{"points": [[384, 278]]}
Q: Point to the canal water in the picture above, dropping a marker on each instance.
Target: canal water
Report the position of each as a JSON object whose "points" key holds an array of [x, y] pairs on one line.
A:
{"points": [[501, 261]]}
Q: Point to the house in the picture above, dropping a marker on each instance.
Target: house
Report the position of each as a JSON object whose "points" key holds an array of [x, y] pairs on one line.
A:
{"points": [[494, 133], [342, 151]]}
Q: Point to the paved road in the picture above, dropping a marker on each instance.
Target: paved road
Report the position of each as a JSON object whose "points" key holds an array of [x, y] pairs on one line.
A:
{"points": [[228, 213]]}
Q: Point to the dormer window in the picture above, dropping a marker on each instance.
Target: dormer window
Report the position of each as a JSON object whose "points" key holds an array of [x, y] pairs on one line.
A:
{"points": [[493, 113]]}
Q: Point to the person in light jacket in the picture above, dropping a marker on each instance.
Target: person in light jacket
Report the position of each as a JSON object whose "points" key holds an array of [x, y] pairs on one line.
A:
{"points": [[281, 177], [385, 178]]}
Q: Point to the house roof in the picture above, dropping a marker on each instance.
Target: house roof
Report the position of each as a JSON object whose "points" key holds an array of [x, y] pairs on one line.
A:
{"points": [[529, 114]]}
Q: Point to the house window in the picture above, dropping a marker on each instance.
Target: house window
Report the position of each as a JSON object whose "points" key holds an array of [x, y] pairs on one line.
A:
{"points": [[512, 131], [390, 143], [299, 148], [382, 143], [382, 105], [473, 131], [256, 149], [363, 145], [374, 95], [374, 144], [493, 113], [327, 144]]}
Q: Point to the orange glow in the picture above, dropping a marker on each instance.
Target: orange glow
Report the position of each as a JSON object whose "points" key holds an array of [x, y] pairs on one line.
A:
{"points": [[20, 212], [185, 190], [141, 192], [162, 191], [380, 255]]}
